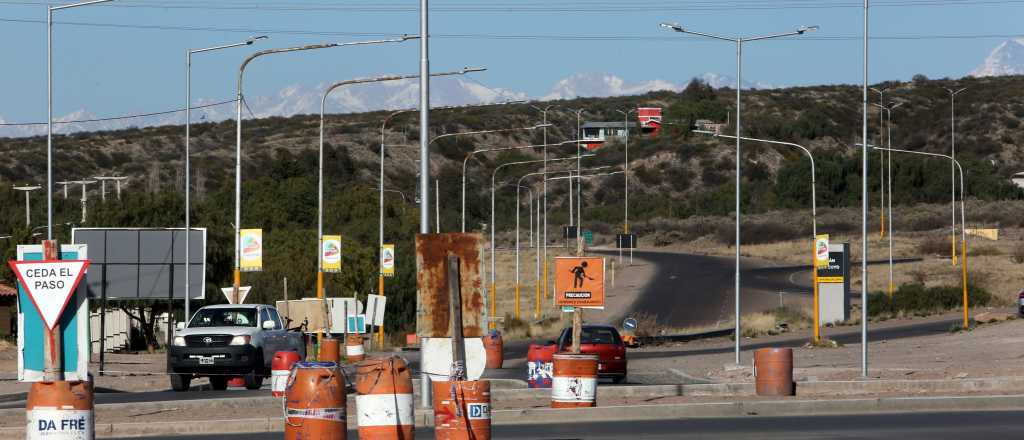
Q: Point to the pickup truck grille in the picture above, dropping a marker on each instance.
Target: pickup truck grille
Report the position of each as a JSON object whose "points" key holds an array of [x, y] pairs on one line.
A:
{"points": [[208, 340]]}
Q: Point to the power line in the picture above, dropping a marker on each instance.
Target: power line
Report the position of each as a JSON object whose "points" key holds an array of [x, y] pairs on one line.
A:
{"points": [[113, 118], [541, 37]]}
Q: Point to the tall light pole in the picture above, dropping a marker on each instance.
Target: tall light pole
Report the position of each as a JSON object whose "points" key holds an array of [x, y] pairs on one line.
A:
{"points": [[864, 207], [238, 131], [952, 155], [28, 203], [49, 107], [543, 200], [814, 211], [963, 231], [424, 125], [625, 222], [888, 115], [494, 308], [320, 168], [881, 161], [465, 164], [739, 86], [188, 160], [84, 198]]}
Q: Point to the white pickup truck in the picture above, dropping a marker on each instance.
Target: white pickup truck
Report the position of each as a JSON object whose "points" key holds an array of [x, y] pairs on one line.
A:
{"points": [[229, 340]]}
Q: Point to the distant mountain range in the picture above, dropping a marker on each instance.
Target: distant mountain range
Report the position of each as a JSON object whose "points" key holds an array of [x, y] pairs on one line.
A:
{"points": [[1005, 59]]}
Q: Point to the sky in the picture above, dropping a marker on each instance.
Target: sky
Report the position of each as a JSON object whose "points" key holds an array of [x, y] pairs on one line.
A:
{"points": [[134, 61]]}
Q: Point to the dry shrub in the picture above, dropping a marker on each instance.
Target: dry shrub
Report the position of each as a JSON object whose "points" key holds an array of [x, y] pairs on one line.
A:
{"points": [[937, 245], [647, 324]]}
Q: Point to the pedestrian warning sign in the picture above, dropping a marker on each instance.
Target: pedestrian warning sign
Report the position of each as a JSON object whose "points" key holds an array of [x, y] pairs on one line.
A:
{"points": [[579, 282]]}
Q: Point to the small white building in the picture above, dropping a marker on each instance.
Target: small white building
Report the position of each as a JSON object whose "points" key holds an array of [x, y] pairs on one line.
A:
{"points": [[597, 133]]}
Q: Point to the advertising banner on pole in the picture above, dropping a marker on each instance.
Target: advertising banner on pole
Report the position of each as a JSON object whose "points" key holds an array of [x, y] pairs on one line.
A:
{"points": [[821, 251], [330, 251], [387, 260], [251, 243]]}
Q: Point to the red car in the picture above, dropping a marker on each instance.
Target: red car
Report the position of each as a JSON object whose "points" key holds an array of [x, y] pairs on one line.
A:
{"points": [[605, 342]]}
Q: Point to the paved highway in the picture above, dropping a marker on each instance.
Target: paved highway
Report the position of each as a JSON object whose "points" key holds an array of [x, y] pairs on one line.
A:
{"points": [[928, 426]]}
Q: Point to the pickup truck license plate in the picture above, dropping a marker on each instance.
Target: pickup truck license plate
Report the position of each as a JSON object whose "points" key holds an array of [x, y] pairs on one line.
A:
{"points": [[206, 360]]}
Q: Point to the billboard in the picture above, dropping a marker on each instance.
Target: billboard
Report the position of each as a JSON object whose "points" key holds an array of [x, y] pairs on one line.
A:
{"points": [[250, 243], [143, 263]]}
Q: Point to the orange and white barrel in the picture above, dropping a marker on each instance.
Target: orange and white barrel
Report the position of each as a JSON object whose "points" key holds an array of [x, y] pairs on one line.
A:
{"points": [[60, 410], [575, 380], [315, 402], [385, 402], [354, 347], [329, 351], [495, 349], [462, 410], [280, 368]]}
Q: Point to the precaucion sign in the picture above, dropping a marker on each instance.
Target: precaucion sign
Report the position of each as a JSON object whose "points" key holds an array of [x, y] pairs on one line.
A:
{"points": [[821, 251], [579, 282], [251, 252], [330, 255], [387, 260], [50, 284]]}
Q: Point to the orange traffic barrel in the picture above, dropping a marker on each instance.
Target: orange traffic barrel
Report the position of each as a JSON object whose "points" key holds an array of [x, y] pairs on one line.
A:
{"points": [[462, 410], [575, 380], [315, 402], [385, 402], [539, 360], [773, 372], [354, 347], [330, 350], [280, 368], [494, 347], [60, 410]]}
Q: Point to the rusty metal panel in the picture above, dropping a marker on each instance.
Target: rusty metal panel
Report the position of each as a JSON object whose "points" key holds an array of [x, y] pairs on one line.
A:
{"points": [[432, 297]]}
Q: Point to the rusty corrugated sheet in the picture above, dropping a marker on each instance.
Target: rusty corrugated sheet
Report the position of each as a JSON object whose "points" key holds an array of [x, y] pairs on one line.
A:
{"points": [[432, 297]]}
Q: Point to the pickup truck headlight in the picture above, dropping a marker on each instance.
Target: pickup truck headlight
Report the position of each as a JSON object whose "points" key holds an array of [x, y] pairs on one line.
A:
{"points": [[179, 341], [240, 340]]}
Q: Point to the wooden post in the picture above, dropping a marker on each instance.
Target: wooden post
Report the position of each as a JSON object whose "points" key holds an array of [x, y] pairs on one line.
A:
{"points": [[577, 314], [455, 308], [52, 368]]}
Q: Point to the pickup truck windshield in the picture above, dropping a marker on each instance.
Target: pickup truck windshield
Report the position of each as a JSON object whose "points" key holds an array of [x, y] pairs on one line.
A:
{"points": [[224, 318]]}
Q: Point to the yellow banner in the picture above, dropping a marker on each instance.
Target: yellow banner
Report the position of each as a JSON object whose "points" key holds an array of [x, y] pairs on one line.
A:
{"points": [[821, 251], [251, 250], [330, 253], [387, 260], [837, 280]]}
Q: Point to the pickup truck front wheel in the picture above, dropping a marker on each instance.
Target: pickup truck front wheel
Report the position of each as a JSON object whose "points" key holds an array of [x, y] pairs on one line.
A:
{"points": [[254, 380], [180, 382]]}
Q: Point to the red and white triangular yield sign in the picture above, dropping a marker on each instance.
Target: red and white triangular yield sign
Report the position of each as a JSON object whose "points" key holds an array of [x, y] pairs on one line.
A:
{"points": [[49, 284]]}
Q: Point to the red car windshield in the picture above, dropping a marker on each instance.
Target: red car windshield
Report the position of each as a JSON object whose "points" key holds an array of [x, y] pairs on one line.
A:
{"points": [[595, 336]]}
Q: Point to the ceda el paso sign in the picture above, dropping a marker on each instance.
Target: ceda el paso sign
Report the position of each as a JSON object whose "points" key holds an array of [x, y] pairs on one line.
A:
{"points": [[49, 284]]}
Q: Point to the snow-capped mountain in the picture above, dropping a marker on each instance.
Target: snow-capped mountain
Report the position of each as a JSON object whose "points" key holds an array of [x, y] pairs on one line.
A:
{"points": [[1005, 59], [299, 99]]}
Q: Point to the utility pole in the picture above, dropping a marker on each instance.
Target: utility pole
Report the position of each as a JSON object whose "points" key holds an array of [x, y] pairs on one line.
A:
{"points": [[103, 185], [84, 198], [28, 205]]}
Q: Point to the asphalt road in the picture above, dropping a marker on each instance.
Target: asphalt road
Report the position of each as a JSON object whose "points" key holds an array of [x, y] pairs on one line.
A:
{"points": [[905, 426]]}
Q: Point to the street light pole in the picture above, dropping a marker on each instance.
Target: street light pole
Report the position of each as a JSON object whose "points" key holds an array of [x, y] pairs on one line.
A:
{"points": [[625, 222], [952, 155], [493, 294], [963, 231], [28, 203], [188, 163], [888, 128], [864, 207], [544, 199], [881, 162], [739, 86], [238, 132], [814, 211], [320, 169], [49, 107]]}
